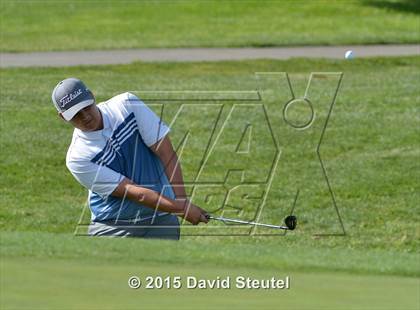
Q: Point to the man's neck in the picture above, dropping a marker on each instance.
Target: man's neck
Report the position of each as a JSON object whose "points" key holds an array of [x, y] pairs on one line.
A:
{"points": [[101, 123]]}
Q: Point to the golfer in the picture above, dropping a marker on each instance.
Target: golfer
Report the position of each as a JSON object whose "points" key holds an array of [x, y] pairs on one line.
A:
{"points": [[121, 152]]}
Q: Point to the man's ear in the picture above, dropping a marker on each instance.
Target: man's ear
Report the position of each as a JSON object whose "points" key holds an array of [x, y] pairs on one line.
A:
{"points": [[61, 115]]}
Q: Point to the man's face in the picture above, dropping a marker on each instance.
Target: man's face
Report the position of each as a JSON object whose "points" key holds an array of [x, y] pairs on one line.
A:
{"points": [[88, 119]]}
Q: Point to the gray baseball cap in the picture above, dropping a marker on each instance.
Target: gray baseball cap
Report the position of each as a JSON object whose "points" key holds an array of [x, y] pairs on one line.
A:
{"points": [[70, 96]]}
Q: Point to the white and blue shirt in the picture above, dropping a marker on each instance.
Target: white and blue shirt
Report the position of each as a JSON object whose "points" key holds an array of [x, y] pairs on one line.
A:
{"points": [[99, 160]]}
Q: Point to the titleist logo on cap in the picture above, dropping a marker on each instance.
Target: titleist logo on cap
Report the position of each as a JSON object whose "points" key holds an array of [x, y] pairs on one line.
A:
{"points": [[67, 98]]}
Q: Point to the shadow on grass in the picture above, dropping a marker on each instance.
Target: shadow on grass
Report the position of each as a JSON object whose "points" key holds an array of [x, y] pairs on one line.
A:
{"points": [[407, 6]]}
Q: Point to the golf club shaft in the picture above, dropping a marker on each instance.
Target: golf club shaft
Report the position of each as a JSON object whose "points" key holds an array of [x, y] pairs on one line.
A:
{"points": [[246, 222]]}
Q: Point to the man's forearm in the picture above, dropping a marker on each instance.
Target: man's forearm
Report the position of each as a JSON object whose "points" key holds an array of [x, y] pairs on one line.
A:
{"points": [[147, 197]]}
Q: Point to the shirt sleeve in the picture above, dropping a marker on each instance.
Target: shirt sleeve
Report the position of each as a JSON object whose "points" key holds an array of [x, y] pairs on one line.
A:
{"points": [[99, 179], [152, 128]]}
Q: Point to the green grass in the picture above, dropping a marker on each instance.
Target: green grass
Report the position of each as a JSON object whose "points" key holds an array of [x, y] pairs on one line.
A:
{"points": [[75, 271], [370, 151], [87, 25], [71, 284], [288, 254], [67, 272]]}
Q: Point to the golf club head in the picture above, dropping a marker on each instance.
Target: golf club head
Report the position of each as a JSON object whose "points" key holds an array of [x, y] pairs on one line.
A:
{"points": [[291, 222]]}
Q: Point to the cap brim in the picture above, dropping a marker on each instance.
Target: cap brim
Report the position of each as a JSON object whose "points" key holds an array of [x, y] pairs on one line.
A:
{"points": [[70, 113]]}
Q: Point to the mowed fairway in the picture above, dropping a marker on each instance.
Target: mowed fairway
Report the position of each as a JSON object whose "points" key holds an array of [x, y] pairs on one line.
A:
{"points": [[76, 284], [87, 25], [370, 149]]}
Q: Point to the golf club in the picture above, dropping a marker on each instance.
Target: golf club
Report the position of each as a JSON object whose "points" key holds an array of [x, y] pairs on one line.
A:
{"points": [[290, 221]]}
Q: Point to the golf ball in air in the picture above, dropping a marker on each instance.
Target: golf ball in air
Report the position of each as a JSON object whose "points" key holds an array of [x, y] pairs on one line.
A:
{"points": [[349, 55]]}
